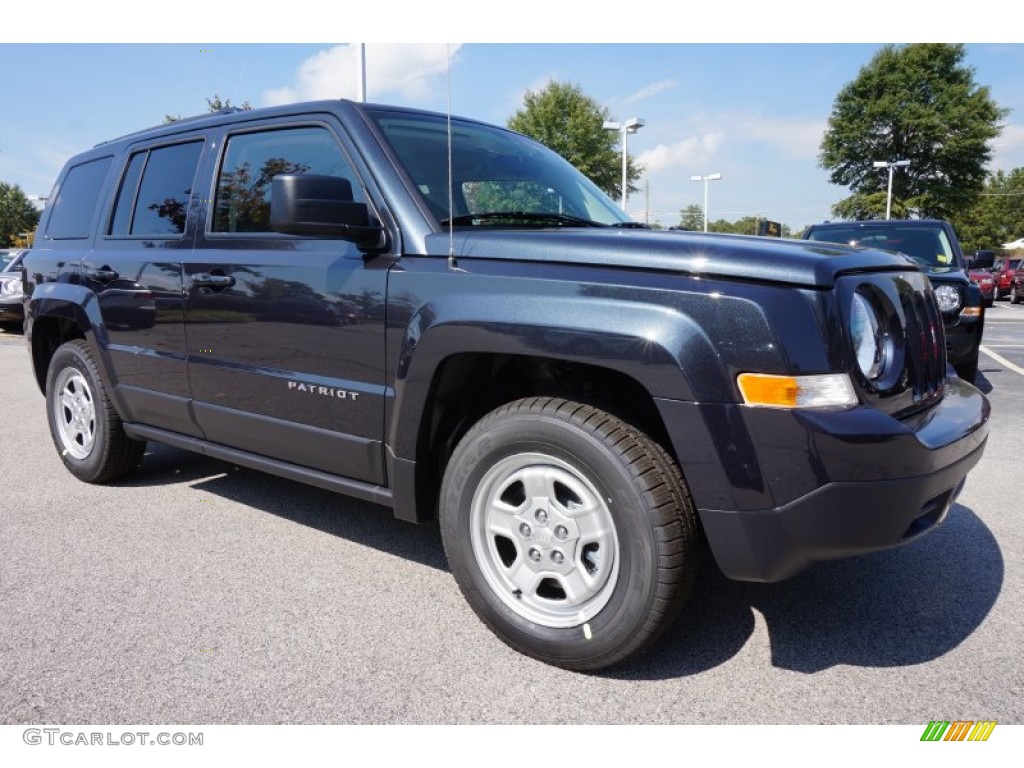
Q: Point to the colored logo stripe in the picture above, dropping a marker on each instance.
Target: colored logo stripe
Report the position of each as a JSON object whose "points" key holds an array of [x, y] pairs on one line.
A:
{"points": [[982, 730], [958, 730]]}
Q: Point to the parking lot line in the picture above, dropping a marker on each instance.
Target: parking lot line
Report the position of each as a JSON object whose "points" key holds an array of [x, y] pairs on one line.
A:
{"points": [[1002, 360]]}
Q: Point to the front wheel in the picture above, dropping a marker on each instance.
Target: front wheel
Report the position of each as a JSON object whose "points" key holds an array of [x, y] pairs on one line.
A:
{"points": [[1015, 295], [83, 423], [570, 533]]}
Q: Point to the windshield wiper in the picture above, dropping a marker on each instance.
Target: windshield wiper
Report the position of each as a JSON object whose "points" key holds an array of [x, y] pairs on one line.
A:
{"points": [[631, 225], [524, 217]]}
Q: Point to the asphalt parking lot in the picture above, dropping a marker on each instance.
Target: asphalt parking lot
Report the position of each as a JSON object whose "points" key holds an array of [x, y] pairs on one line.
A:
{"points": [[197, 592]]}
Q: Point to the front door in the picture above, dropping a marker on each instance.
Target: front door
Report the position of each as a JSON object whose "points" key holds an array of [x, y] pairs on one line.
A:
{"points": [[285, 334]]}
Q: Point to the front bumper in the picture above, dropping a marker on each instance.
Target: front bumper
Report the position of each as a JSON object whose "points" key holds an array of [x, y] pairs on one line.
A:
{"points": [[778, 490], [12, 310], [963, 337]]}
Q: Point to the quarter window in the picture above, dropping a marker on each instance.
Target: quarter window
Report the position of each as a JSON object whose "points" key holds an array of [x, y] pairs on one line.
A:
{"points": [[252, 160], [75, 205]]}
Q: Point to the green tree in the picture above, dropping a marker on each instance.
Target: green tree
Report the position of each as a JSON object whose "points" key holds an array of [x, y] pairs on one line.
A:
{"points": [[216, 104], [17, 214], [562, 117], [998, 215], [692, 217], [919, 103]]}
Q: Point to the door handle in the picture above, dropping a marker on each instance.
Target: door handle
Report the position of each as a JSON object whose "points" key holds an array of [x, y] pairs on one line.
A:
{"points": [[212, 280]]}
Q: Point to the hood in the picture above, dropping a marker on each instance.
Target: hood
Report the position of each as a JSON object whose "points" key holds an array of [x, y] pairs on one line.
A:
{"points": [[799, 262]]}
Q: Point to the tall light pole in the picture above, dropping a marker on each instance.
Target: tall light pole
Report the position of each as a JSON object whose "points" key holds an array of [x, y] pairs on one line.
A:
{"points": [[706, 179], [361, 72], [892, 166], [626, 127]]}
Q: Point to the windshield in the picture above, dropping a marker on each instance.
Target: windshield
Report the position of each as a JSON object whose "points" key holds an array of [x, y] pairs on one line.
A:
{"points": [[7, 258], [926, 244], [494, 173]]}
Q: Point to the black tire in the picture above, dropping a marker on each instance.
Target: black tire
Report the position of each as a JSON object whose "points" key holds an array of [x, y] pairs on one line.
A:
{"points": [[1015, 296], [602, 508], [84, 426]]}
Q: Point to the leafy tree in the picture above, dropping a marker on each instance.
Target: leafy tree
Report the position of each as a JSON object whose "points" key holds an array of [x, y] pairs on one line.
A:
{"points": [[243, 197], [216, 104], [17, 214], [744, 226], [998, 216], [919, 103], [562, 117], [692, 217]]}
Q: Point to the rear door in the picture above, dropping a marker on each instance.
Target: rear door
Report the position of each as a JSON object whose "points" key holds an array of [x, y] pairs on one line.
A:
{"points": [[285, 333], [135, 271]]}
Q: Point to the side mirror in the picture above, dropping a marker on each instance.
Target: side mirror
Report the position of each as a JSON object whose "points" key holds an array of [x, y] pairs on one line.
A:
{"points": [[983, 260], [320, 206]]}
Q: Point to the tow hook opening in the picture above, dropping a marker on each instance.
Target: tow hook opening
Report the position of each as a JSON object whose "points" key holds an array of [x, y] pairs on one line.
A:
{"points": [[933, 512]]}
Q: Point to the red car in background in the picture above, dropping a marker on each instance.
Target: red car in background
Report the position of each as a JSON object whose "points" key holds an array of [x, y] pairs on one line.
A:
{"points": [[983, 278], [1003, 274]]}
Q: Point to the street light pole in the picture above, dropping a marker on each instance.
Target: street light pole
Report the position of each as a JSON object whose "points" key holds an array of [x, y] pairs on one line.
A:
{"points": [[627, 127], [892, 166], [361, 72], [706, 179]]}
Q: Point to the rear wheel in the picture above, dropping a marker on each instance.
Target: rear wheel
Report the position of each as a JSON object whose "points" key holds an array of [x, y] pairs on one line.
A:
{"points": [[1015, 295], [85, 427], [570, 533]]}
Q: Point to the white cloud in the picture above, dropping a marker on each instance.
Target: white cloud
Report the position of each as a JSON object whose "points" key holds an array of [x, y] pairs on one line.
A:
{"points": [[1008, 148], [795, 138], [693, 150], [649, 90], [411, 71]]}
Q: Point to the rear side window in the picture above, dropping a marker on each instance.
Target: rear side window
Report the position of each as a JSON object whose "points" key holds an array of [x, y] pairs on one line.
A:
{"points": [[75, 206], [252, 160], [155, 191]]}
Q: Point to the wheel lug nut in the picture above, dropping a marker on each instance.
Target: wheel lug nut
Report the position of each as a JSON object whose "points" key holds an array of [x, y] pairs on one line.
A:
{"points": [[561, 532], [541, 515], [557, 557], [534, 555], [524, 529]]}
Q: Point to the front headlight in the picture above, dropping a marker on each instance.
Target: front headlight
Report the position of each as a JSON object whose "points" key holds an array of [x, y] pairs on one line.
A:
{"points": [[10, 288], [872, 343], [948, 298]]}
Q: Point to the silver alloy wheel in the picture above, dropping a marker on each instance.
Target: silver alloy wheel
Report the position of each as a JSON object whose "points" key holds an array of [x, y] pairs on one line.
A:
{"points": [[74, 411], [545, 540]]}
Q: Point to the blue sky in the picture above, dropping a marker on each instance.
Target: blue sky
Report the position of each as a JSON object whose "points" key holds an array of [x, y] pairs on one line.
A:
{"points": [[754, 111]]}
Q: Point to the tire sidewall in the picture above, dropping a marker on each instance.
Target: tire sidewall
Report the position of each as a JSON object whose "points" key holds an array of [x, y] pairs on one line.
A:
{"points": [[633, 595], [72, 356]]}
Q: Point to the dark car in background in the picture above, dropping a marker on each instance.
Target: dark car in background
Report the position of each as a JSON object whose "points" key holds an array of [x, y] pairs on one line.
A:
{"points": [[1003, 276], [1017, 286], [933, 246], [12, 309]]}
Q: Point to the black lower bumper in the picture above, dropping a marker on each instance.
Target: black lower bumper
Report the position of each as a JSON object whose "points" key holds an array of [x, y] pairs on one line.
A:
{"points": [[12, 311], [795, 487], [963, 339], [838, 520]]}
